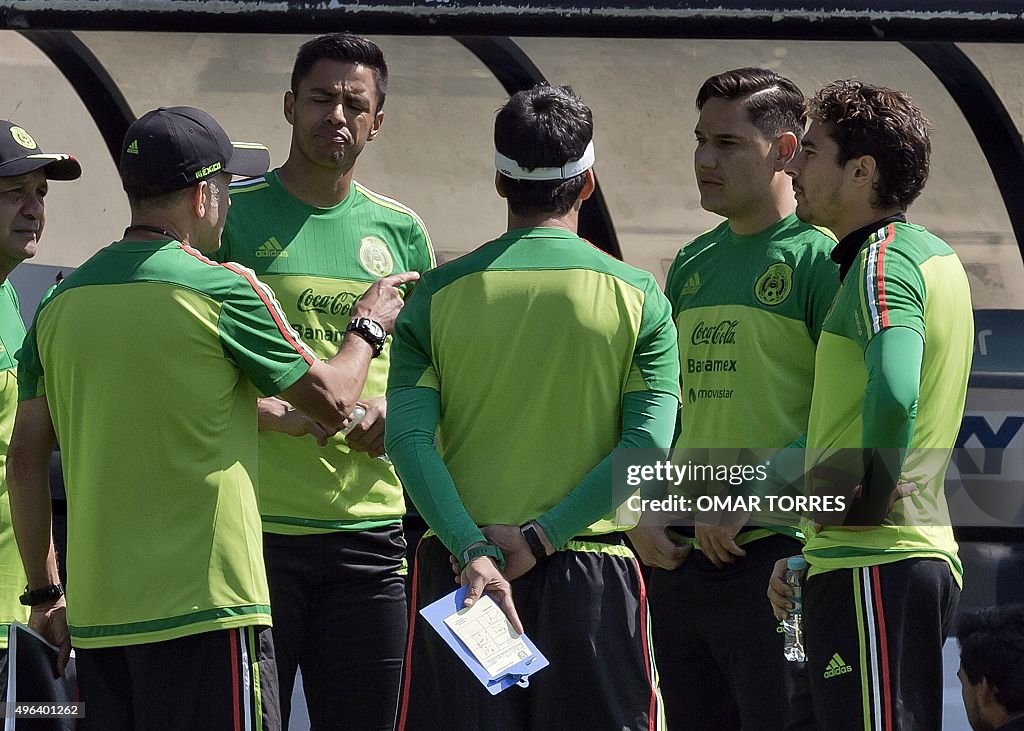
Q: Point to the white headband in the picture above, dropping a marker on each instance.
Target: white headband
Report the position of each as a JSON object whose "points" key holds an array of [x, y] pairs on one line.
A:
{"points": [[511, 169]]}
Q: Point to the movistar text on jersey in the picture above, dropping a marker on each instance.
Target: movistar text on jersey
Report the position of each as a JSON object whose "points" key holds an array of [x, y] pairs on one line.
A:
{"points": [[677, 474]]}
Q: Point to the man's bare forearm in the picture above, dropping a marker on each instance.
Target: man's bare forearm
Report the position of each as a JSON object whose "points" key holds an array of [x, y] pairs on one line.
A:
{"points": [[28, 483]]}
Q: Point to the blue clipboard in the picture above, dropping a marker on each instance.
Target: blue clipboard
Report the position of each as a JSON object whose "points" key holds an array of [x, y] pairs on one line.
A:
{"points": [[519, 674]]}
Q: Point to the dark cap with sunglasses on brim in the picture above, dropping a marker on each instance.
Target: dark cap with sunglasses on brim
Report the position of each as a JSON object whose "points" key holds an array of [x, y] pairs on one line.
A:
{"points": [[20, 155], [172, 148]]}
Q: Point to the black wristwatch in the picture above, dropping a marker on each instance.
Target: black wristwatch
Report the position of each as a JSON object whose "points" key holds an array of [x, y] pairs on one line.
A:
{"points": [[483, 549], [533, 540], [369, 330], [49, 593]]}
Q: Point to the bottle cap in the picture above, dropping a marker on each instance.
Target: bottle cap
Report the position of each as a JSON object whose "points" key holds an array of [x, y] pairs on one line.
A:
{"points": [[354, 418], [796, 563]]}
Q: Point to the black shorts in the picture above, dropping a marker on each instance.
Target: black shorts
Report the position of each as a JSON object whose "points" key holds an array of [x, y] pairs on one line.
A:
{"points": [[717, 643], [585, 608], [340, 614], [223, 680], [874, 639]]}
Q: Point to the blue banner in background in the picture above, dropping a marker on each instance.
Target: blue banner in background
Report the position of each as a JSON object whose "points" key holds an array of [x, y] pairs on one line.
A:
{"points": [[998, 341]]}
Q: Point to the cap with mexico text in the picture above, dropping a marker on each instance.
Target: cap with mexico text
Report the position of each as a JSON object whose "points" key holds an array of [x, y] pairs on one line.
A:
{"points": [[20, 155], [171, 148]]}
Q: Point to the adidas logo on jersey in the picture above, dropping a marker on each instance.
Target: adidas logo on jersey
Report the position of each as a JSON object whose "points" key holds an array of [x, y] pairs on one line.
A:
{"points": [[837, 666], [272, 248], [692, 284]]}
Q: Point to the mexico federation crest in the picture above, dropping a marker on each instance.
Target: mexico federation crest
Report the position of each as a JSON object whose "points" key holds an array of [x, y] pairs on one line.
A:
{"points": [[773, 287], [23, 138], [375, 256]]}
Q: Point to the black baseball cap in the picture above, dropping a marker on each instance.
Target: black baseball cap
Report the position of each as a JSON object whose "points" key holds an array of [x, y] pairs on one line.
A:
{"points": [[171, 148], [19, 154]]}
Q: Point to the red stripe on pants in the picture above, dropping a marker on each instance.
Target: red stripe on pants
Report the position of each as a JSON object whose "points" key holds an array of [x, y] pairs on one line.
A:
{"points": [[404, 712], [235, 661], [648, 662], [883, 645]]}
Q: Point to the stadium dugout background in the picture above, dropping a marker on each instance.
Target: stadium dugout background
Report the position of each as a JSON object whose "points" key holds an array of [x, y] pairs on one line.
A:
{"points": [[77, 72]]}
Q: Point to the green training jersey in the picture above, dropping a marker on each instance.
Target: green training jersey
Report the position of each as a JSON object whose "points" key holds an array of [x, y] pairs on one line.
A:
{"points": [[151, 358], [903, 276], [532, 341], [12, 574], [319, 261], [749, 310]]}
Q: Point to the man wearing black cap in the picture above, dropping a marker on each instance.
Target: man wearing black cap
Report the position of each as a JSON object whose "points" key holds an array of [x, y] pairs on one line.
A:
{"points": [[146, 363], [24, 172]]}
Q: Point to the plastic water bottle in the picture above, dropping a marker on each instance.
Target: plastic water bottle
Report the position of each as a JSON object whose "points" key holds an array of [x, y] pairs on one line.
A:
{"points": [[358, 412], [353, 420], [793, 624]]}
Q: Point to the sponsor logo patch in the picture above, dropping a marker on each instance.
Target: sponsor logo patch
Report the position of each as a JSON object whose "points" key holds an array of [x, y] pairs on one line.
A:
{"points": [[271, 248], [339, 303], [710, 366], [723, 333], [710, 393], [837, 666], [692, 285]]}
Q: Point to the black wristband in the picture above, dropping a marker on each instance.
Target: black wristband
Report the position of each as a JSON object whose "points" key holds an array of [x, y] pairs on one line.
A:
{"points": [[50, 593], [532, 536]]}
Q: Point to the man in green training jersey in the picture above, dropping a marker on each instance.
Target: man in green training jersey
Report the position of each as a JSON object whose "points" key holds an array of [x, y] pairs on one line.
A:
{"points": [[146, 364], [750, 295], [24, 174], [332, 515], [573, 355], [882, 588]]}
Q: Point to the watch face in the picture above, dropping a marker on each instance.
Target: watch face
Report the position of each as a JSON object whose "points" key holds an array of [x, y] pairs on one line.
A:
{"points": [[374, 328]]}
